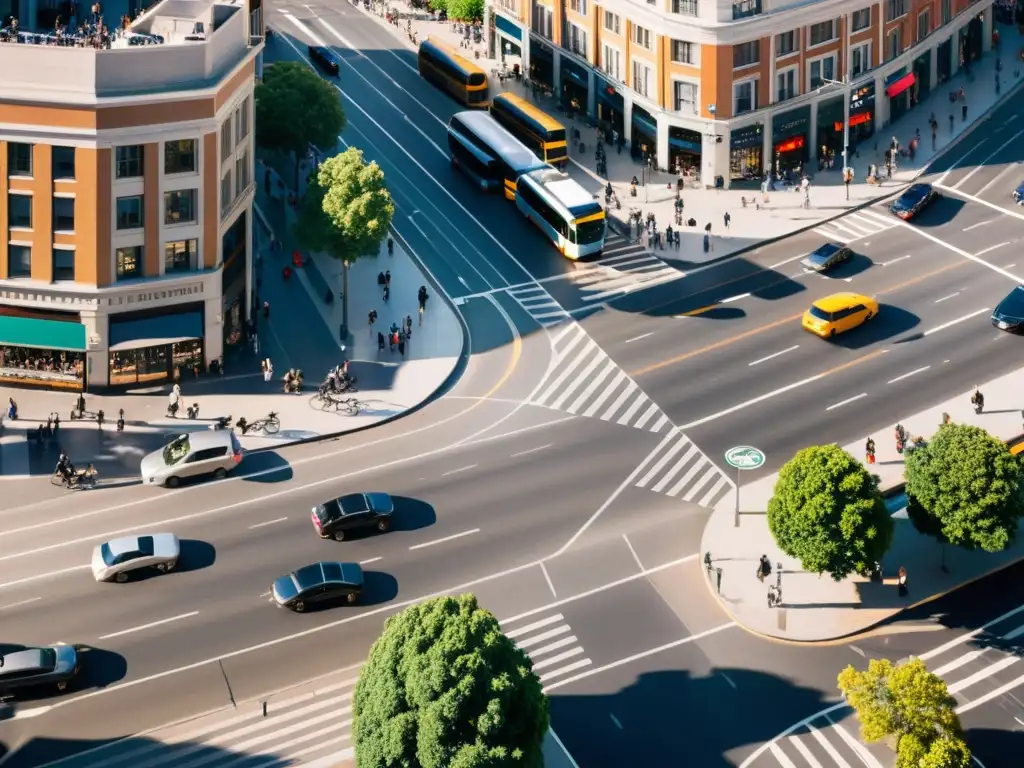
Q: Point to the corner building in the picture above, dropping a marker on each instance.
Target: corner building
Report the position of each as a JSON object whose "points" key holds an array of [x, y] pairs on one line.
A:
{"points": [[126, 196], [731, 90]]}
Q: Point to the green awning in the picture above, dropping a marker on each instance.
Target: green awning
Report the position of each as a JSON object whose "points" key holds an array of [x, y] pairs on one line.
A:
{"points": [[43, 334]]}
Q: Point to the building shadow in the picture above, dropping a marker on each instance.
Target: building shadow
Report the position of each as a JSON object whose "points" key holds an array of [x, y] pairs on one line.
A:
{"points": [[991, 746]]}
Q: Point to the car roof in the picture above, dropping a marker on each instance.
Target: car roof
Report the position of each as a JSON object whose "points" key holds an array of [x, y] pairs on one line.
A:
{"points": [[827, 249], [379, 501], [353, 503], [838, 301], [1014, 300], [326, 572], [917, 190], [209, 438], [124, 544], [27, 658]]}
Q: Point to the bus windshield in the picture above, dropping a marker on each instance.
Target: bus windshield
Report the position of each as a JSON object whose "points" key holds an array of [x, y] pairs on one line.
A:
{"points": [[590, 231], [555, 153], [477, 78]]}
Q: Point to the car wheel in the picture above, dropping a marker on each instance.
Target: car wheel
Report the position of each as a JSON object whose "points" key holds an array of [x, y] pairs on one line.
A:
{"points": [[121, 578], [870, 315], [832, 333], [162, 567], [172, 482], [338, 536], [171, 565], [300, 607], [62, 685], [383, 525], [350, 598], [220, 473]]}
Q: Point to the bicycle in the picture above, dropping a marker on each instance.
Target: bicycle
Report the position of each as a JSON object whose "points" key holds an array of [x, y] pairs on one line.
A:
{"points": [[270, 425], [82, 478], [350, 405]]}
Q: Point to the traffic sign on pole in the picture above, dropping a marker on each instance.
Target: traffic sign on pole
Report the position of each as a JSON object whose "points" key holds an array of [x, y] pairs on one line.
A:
{"points": [[743, 457]]}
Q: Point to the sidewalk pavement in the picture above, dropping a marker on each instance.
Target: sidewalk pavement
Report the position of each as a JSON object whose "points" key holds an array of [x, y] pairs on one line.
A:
{"points": [[816, 608], [784, 214]]}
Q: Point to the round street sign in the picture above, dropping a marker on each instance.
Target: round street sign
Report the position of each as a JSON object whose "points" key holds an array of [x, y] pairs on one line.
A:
{"points": [[744, 457]]}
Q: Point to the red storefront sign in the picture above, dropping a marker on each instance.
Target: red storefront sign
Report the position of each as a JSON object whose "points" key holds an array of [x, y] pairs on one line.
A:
{"points": [[855, 120], [788, 146]]}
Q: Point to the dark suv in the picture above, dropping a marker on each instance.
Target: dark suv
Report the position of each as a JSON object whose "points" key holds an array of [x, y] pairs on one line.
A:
{"points": [[335, 518], [53, 665]]}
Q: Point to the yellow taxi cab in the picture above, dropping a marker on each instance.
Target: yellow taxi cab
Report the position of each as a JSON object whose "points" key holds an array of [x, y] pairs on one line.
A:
{"points": [[838, 313]]}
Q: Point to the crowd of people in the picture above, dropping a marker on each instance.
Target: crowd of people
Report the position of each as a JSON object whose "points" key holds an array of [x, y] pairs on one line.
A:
{"points": [[91, 32], [29, 363]]}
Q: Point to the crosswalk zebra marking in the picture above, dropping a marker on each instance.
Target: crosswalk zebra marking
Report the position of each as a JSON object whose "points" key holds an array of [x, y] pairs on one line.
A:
{"points": [[679, 469], [550, 657], [855, 226]]}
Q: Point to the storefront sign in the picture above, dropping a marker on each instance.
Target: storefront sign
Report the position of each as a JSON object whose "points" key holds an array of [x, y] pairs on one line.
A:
{"points": [[863, 97], [748, 136], [684, 139], [573, 71], [791, 123], [900, 86], [147, 296], [643, 121], [792, 144]]}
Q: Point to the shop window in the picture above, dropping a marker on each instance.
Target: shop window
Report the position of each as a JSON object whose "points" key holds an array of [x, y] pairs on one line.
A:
{"points": [[861, 19], [63, 264], [684, 7], [180, 206], [131, 366], [746, 54], [46, 367], [180, 256], [785, 43], [860, 59], [242, 121], [823, 32], [187, 356], [611, 62], [130, 212], [64, 162], [129, 262], [947, 11], [128, 162], [924, 25], [785, 84], [180, 156], [19, 261], [684, 52], [19, 159], [19, 211], [894, 9], [744, 97], [575, 40], [612, 22], [642, 36], [685, 97], [822, 71], [641, 77], [742, 9], [63, 214], [225, 140]]}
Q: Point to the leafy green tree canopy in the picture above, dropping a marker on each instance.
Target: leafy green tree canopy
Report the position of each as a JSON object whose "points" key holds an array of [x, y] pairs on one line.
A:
{"points": [[969, 485], [438, 5], [896, 701], [443, 686], [347, 209], [466, 10], [827, 512], [294, 108]]}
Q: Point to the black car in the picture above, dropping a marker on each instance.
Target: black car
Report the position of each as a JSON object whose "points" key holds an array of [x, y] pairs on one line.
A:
{"points": [[335, 518], [54, 665], [1009, 313], [318, 584], [912, 201], [324, 58], [1018, 194], [827, 256]]}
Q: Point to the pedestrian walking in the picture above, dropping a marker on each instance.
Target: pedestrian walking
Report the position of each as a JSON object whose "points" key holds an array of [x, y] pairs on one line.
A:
{"points": [[421, 297], [408, 325], [951, 120], [372, 318], [268, 370], [901, 581], [255, 344], [391, 246], [387, 293], [726, 219], [963, 112], [387, 278], [380, 341], [401, 343], [380, 280], [764, 568], [266, 310], [869, 451]]}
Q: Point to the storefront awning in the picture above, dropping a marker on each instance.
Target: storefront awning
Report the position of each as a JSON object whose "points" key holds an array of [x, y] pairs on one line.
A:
{"points": [[42, 334], [152, 331], [899, 86]]}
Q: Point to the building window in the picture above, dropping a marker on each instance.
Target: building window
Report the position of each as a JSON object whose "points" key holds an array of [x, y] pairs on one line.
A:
{"points": [[860, 19], [180, 156], [242, 173], [19, 159], [641, 77], [128, 163], [225, 140], [242, 121], [895, 44], [823, 33], [947, 11], [63, 264], [744, 97], [924, 25], [226, 195], [741, 9], [642, 36], [130, 212], [822, 71], [64, 162], [180, 206], [785, 84], [19, 261], [894, 9], [180, 256], [64, 214], [684, 7], [683, 52], [611, 63], [785, 43], [578, 6], [746, 54], [19, 211], [542, 20], [575, 40], [129, 262], [612, 22], [685, 97], [860, 59]]}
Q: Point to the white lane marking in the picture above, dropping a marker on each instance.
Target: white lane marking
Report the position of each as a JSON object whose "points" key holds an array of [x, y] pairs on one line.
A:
{"points": [[929, 236], [734, 298], [944, 298], [729, 681], [827, 746], [557, 659], [151, 624], [979, 224], [641, 655], [545, 636], [893, 261], [371, 560], [268, 522], [460, 469], [908, 375], [994, 694], [781, 756], [637, 338], [39, 576], [944, 326], [636, 557], [992, 248], [956, 162], [998, 177], [547, 578], [531, 450], [514, 633], [20, 602], [984, 162], [859, 749], [443, 540], [979, 201], [847, 401], [790, 260], [266, 594], [983, 674], [774, 355], [616, 721]]}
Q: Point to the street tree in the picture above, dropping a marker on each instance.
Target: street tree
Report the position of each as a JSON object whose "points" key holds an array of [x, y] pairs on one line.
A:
{"points": [[944, 751], [345, 213], [965, 488], [438, 6], [896, 701], [295, 107], [466, 10], [826, 511], [443, 686]]}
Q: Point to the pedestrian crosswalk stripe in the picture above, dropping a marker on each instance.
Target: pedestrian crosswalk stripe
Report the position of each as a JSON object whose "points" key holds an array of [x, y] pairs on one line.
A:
{"points": [[565, 670], [585, 374], [715, 489], [700, 481], [804, 751], [659, 465], [543, 636], [514, 633], [648, 415], [628, 390], [557, 644], [866, 757], [855, 226], [572, 652], [595, 382], [827, 746], [781, 756], [549, 657], [620, 377]]}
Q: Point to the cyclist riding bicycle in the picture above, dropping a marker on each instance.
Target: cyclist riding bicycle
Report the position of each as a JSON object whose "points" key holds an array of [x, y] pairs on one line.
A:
{"points": [[64, 467]]}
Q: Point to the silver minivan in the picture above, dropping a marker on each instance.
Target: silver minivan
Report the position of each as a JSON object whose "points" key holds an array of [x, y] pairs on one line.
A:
{"points": [[209, 452]]}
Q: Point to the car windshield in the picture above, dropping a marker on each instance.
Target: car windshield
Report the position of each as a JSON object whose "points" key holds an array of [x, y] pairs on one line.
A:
{"points": [[825, 252], [1013, 305], [327, 512], [107, 554], [47, 658], [176, 450], [820, 314]]}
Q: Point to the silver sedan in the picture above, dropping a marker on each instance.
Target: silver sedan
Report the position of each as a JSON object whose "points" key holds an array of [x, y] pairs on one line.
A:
{"points": [[115, 560]]}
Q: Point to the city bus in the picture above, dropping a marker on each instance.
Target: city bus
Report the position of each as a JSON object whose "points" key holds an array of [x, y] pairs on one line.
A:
{"points": [[488, 154], [461, 78], [534, 127], [563, 210]]}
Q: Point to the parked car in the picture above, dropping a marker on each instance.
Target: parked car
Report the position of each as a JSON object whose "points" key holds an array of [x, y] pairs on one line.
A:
{"points": [[117, 559], [55, 665], [827, 256], [913, 200], [1009, 313], [318, 584], [324, 58], [838, 313], [335, 518], [1018, 194], [210, 452]]}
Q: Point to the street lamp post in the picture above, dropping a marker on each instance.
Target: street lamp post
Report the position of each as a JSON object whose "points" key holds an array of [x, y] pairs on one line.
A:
{"points": [[846, 120]]}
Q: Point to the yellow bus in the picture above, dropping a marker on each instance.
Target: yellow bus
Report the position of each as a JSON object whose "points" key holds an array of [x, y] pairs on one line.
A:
{"points": [[488, 154], [461, 78], [534, 127], [563, 210]]}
